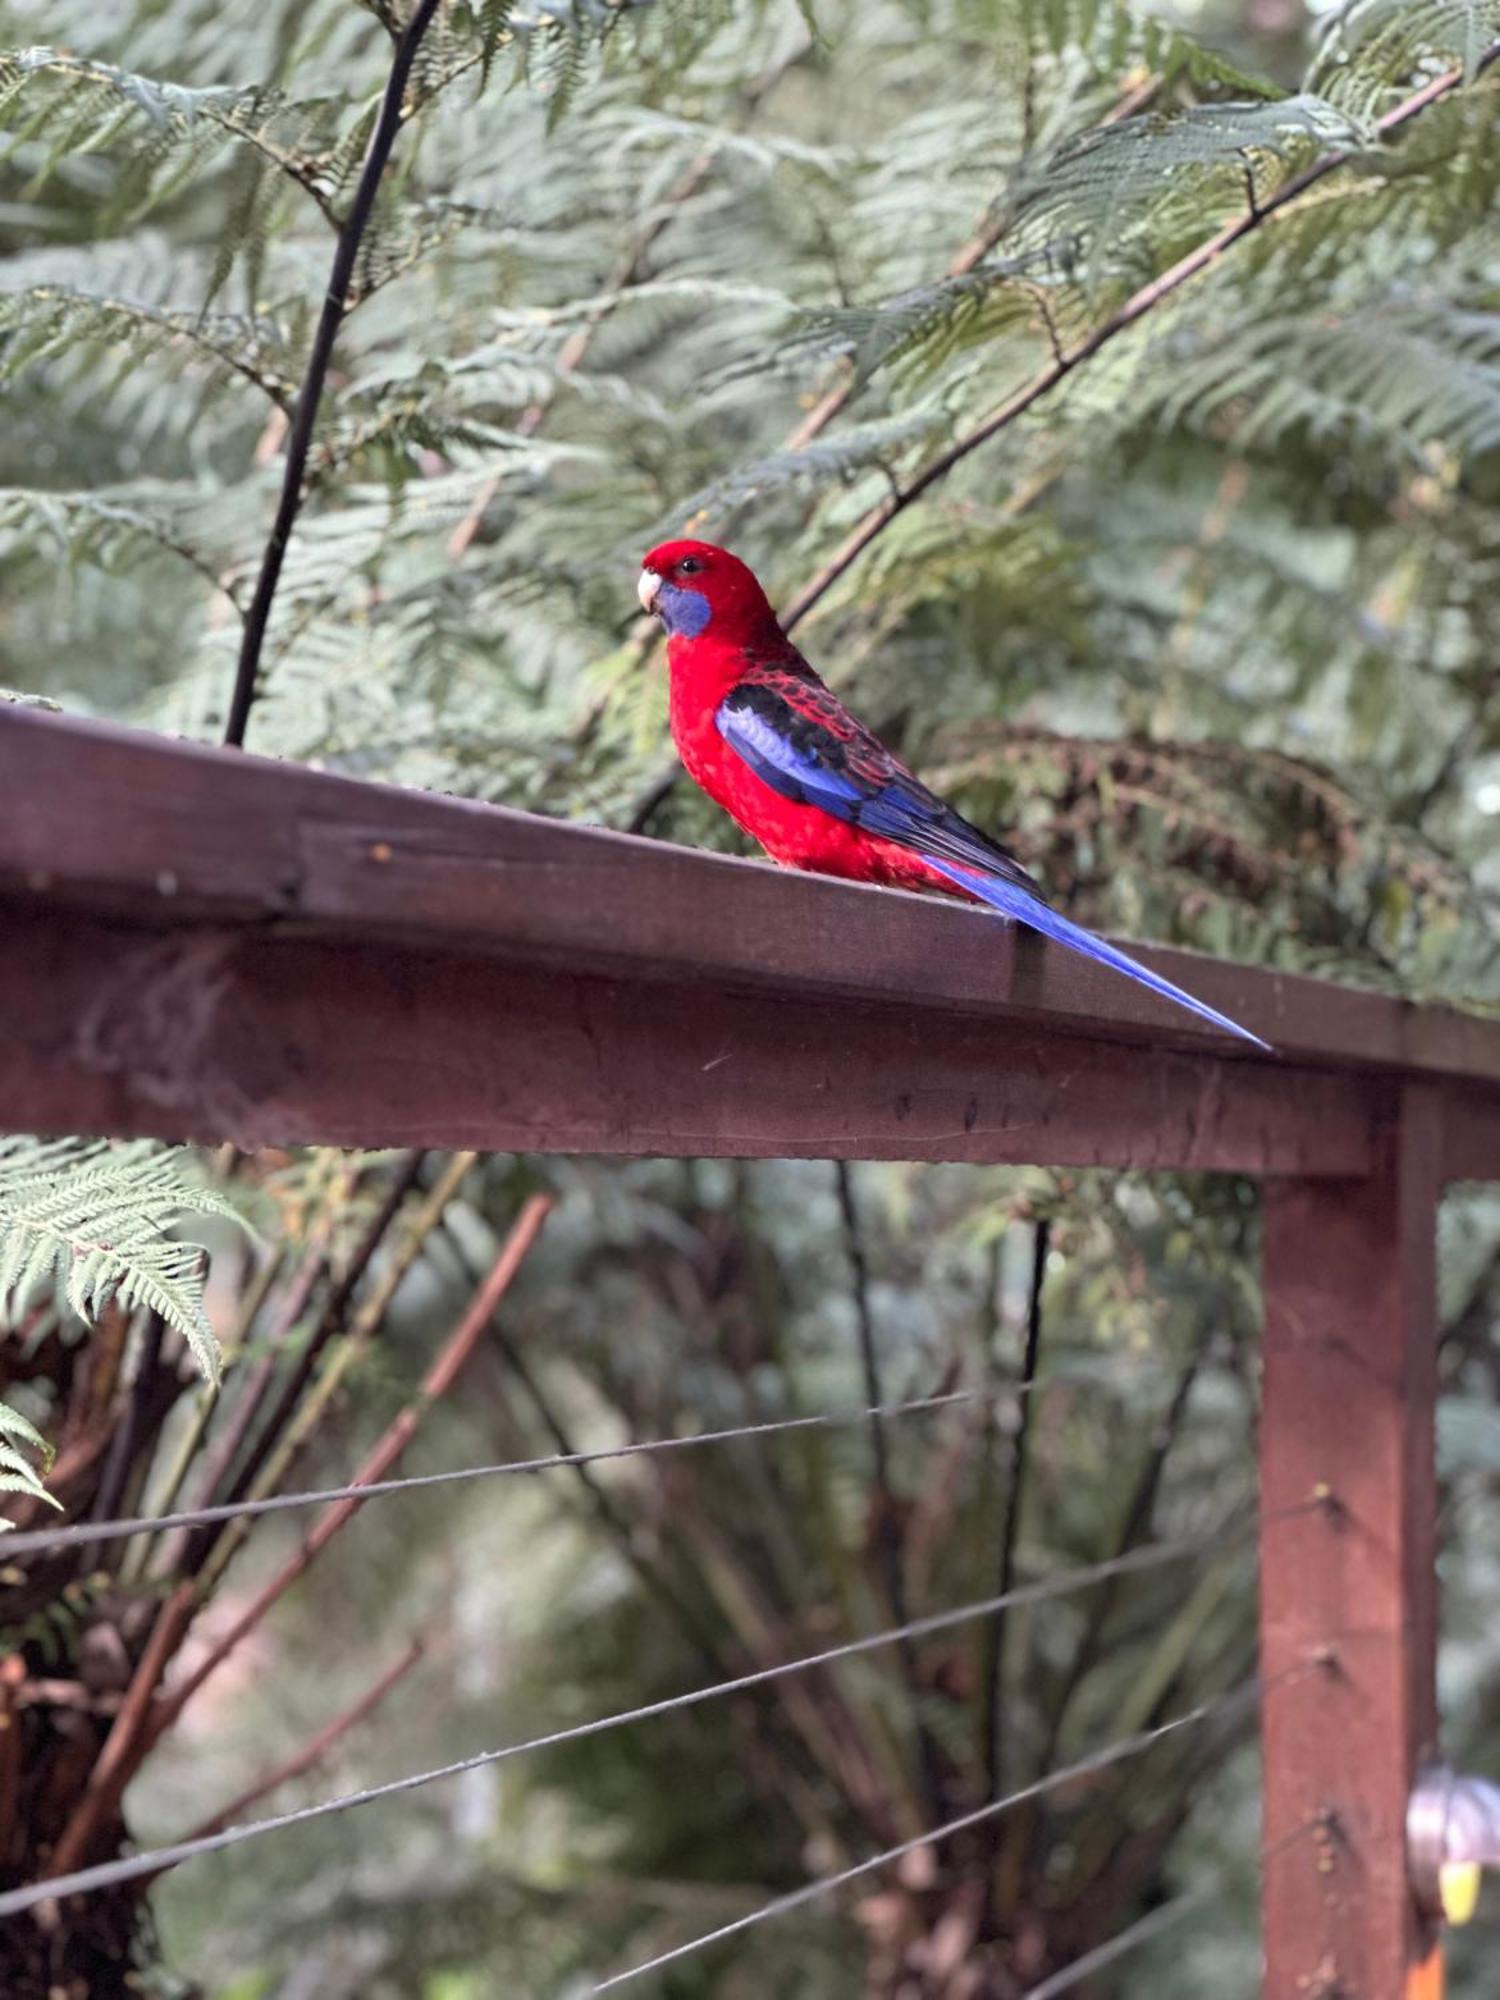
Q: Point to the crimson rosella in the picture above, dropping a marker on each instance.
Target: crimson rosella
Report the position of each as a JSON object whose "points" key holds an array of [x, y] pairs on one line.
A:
{"points": [[774, 746]]}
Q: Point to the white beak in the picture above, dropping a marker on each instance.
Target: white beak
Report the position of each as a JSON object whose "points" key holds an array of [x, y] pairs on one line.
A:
{"points": [[647, 587]]}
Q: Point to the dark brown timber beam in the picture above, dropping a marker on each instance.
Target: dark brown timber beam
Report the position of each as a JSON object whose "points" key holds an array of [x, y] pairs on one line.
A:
{"points": [[1348, 1591], [215, 1033], [211, 945]]}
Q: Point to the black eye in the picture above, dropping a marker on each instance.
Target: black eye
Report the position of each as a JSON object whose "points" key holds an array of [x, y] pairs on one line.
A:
{"points": [[689, 566]]}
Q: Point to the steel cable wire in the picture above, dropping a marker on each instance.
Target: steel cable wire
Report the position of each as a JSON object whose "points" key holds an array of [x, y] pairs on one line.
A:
{"points": [[30, 1540], [128, 1867], [1240, 1698], [1164, 1918], [33, 1539]]}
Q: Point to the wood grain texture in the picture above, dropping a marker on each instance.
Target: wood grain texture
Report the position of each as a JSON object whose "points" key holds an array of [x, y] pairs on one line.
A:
{"points": [[218, 1033], [1350, 1380], [169, 834]]}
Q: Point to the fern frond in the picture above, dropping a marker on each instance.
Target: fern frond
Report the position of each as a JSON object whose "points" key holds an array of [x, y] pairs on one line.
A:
{"points": [[829, 460], [46, 321], [94, 1219], [489, 20], [1123, 198], [1371, 50], [1415, 372], [555, 39], [164, 132], [17, 1473], [925, 325], [111, 530], [1102, 212]]}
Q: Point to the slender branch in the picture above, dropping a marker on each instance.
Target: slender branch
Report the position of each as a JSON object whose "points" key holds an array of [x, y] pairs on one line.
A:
{"points": [[332, 1318], [181, 326], [131, 1733], [177, 1549], [294, 1302], [335, 306], [311, 1753], [775, 1779], [126, 1443], [302, 1418], [1134, 1528], [1135, 308], [12, 1676], [615, 1523], [378, 1462], [280, 157], [854, 1248], [185, 1452], [973, 253]]}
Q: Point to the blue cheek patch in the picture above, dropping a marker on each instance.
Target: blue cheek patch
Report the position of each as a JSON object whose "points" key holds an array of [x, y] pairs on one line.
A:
{"points": [[685, 612]]}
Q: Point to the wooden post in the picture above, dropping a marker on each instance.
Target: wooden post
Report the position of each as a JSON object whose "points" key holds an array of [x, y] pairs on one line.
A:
{"points": [[1348, 1598]]}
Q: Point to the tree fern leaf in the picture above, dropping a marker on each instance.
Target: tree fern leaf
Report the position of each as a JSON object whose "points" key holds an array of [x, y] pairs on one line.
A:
{"points": [[1416, 373], [87, 106], [46, 321], [14, 1425], [23, 1478], [1122, 198], [1371, 49], [97, 1218], [830, 459]]}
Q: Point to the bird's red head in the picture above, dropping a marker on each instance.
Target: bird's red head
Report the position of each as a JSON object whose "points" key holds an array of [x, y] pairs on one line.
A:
{"points": [[695, 588]]}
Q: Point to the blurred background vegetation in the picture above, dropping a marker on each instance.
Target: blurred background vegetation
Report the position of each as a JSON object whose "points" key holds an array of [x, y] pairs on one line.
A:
{"points": [[1212, 633]]}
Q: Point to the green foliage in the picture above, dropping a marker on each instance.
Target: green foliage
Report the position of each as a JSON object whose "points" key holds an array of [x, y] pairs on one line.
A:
{"points": [[1370, 49], [1412, 369], [17, 1473], [1210, 633], [92, 1219], [94, 1216]]}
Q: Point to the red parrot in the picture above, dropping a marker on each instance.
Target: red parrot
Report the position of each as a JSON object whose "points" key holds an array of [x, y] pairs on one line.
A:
{"points": [[768, 741]]}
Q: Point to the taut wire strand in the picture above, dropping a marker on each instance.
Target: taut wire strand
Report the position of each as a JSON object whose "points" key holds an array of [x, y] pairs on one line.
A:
{"points": [[32, 1539], [106, 1874], [1154, 1923], [1129, 1746]]}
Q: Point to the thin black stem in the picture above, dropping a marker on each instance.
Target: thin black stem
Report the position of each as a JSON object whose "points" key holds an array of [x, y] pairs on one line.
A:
{"points": [[335, 305], [869, 1361], [994, 1658]]}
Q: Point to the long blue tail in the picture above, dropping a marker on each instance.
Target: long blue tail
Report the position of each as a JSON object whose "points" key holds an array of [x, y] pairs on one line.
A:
{"points": [[1013, 901]]}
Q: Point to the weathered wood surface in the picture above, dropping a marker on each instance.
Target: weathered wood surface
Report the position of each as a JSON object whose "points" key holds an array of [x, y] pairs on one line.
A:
{"points": [[214, 1033], [204, 943], [1348, 1593]]}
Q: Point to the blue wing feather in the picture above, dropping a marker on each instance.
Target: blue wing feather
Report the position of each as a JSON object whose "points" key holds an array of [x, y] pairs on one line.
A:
{"points": [[794, 768], [849, 774], [783, 729], [1039, 916]]}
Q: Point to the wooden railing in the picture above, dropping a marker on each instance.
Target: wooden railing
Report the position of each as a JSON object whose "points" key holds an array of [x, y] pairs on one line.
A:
{"points": [[202, 945]]}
